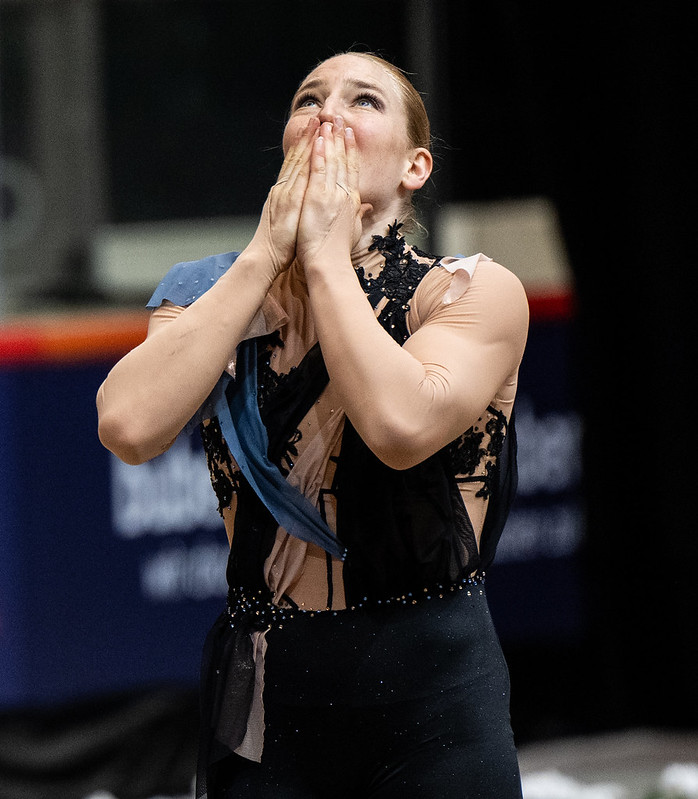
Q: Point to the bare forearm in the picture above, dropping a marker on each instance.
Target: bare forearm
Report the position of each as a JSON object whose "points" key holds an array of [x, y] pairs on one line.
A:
{"points": [[408, 401], [153, 391], [383, 387]]}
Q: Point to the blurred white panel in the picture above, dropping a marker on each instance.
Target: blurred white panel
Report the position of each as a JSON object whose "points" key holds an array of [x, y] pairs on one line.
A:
{"points": [[523, 234], [132, 258]]}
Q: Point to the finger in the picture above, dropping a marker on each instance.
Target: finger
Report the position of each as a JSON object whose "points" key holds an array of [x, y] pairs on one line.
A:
{"points": [[300, 169], [341, 154], [330, 155], [352, 158], [317, 160], [303, 136], [299, 152]]}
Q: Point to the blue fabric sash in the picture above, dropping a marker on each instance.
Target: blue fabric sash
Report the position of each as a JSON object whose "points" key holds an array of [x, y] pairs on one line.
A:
{"points": [[235, 405]]}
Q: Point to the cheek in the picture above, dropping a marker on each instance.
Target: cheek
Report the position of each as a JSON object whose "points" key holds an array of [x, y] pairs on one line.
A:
{"points": [[380, 158], [368, 147], [378, 142], [293, 126], [286, 140]]}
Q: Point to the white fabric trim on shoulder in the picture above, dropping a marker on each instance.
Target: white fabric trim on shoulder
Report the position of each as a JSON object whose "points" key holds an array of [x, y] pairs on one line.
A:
{"points": [[462, 270]]}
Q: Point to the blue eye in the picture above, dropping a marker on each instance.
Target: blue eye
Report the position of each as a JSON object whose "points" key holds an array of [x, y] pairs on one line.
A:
{"points": [[365, 100], [306, 101]]}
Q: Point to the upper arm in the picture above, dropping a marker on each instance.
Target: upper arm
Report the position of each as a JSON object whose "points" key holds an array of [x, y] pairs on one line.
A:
{"points": [[110, 428], [469, 349], [160, 316]]}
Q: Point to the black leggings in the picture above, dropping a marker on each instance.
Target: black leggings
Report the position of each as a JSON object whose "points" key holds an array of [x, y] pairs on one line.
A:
{"points": [[403, 701]]}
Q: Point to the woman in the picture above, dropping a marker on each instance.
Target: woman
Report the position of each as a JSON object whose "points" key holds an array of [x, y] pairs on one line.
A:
{"points": [[363, 456]]}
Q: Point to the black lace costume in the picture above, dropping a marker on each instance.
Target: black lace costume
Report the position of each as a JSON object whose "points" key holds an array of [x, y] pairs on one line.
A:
{"points": [[411, 548]]}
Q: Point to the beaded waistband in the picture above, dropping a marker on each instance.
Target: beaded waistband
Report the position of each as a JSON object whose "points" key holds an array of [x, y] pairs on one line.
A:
{"points": [[258, 612]]}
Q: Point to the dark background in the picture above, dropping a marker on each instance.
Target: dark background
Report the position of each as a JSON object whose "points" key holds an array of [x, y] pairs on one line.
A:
{"points": [[586, 104]]}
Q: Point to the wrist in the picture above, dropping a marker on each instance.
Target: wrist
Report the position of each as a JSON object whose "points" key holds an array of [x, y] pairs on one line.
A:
{"points": [[330, 278], [256, 268], [262, 261], [326, 262]]}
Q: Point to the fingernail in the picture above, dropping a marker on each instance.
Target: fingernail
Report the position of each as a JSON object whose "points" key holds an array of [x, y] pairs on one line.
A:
{"points": [[349, 133], [339, 122]]}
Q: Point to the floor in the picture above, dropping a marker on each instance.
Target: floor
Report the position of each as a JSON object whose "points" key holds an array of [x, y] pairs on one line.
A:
{"points": [[625, 765]]}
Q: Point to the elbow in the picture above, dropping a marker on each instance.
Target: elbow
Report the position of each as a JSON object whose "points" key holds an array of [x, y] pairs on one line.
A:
{"points": [[398, 446], [399, 460], [124, 440]]}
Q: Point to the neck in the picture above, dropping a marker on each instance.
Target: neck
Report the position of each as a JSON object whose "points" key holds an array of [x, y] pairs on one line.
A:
{"points": [[377, 219], [366, 254], [371, 228]]}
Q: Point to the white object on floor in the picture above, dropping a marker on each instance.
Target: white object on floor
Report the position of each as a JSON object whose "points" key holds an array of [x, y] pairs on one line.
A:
{"points": [[554, 785], [680, 780]]}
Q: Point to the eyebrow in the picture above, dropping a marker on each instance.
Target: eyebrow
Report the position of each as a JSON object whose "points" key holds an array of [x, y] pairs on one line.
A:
{"points": [[355, 83]]}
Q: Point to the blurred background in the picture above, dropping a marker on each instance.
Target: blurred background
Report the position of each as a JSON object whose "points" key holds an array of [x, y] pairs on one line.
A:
{"points": [[138, 133]]}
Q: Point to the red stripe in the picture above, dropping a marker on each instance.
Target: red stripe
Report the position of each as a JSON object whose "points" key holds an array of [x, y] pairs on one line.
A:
{"points": [[110, 335], [548, 307], [17, 347], [71, 339]]}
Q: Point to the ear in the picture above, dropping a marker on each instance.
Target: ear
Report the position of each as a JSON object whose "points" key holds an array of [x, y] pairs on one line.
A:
{"points": [[418, 169]]}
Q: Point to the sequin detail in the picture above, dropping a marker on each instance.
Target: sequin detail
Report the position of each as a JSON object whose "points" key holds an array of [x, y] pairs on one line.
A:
{"points": [[256, 612], [268, 381], [469, 450], [397, 281], [268, 384], [225, 476]]}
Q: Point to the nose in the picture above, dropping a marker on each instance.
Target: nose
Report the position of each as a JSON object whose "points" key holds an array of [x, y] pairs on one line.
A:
{"points": [[329, 110]]}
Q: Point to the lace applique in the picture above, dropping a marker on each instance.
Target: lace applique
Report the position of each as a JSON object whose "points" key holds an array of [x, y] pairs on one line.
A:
{"points": [[397, 281], [268, 383], [225, 476], [479, 449]]}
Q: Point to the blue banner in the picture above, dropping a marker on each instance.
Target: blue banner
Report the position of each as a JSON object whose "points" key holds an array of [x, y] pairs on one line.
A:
{"points": [[110, 575]]}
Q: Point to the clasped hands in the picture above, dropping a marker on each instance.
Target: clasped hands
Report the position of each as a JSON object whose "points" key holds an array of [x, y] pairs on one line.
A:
{"points": [[314, 208]]}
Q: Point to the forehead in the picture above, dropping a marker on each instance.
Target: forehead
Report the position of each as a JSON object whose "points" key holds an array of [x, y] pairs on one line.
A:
{"points": [[350, 68]]}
